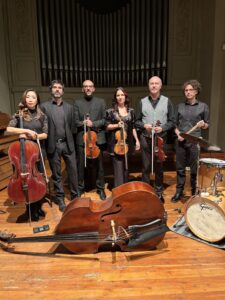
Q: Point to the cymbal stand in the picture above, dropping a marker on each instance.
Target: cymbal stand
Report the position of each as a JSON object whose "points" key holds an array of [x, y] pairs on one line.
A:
{"points": [[197, 175]]}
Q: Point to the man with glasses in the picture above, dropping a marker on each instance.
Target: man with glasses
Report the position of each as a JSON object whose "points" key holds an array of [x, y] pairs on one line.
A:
{"points": [[89, 113], [188, 114]]}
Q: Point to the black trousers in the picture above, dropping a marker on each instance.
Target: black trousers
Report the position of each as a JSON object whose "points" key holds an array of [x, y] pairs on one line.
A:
{"points": [[120, 172], [54, 159], [146, 153], [186, 155], [96, 163]]}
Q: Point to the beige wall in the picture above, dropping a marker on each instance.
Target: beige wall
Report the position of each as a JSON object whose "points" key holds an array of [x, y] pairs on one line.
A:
{"points": [[196, 35], [5, 105]]}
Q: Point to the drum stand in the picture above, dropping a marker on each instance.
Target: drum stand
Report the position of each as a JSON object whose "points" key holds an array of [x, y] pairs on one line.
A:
{"points": [[197, 192], [216, 178]]}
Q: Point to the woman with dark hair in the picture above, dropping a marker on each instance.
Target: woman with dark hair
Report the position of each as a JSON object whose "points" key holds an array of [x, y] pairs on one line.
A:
{"points": [[35, 126], [121, 118]]}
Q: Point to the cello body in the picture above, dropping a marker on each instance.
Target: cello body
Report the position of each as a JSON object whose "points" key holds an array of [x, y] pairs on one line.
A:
{"points": [[27, 175], [133, 203]]}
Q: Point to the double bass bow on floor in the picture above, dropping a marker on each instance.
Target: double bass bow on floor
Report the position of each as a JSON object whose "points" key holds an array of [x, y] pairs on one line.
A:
{"points": [[132, 219]]}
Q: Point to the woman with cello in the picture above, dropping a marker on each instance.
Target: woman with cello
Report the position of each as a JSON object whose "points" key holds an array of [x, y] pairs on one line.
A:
{"points": [[120, 120], [34, 127]]}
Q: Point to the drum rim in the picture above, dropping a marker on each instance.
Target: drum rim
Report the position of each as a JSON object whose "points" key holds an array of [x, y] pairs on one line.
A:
{"points": [[212, 161]]}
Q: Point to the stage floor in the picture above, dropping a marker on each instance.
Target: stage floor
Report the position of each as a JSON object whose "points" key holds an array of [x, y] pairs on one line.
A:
{"points": [[180, 268]]}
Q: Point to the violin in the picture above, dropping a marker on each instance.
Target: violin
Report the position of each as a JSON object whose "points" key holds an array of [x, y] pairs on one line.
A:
{"points": [[90, 138], [26, 183], [159, 145], [132, 219], [121, 148]]}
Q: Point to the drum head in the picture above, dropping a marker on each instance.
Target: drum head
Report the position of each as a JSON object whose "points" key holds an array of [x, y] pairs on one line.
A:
{"points": [[212, 162], [205, 218]]}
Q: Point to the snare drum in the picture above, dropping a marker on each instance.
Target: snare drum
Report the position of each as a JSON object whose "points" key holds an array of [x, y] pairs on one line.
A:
{"points": [[206, 217], [208, 167]]}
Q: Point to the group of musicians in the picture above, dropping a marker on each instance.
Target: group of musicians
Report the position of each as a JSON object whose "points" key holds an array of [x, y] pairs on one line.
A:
{"points": [[73, 132]]}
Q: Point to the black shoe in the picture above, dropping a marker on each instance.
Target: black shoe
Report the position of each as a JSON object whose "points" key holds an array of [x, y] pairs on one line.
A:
{"points": [[177, 197], [101, 194], [79, 193], [62, 205], [41, 212], [34, 216], [193, 192]]}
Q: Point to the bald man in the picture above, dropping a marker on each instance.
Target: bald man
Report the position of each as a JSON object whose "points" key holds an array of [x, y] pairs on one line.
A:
{"points": [[155, 117], [89, 112]]}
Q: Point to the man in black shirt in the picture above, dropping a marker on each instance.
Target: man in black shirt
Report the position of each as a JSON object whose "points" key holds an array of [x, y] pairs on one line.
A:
{"points": [[89, 113], [60, 142], [189, 114]]}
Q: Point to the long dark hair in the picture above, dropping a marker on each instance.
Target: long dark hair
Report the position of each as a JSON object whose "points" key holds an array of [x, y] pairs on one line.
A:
{"points": [[127, 101]]}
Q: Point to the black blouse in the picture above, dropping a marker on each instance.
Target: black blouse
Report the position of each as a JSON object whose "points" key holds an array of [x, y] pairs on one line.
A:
{"points": [[39, 125], [113, 117]]}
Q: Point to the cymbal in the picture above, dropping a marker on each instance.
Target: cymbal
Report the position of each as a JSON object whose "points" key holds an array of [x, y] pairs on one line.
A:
{"points": [[195, 140], [214, 148]]}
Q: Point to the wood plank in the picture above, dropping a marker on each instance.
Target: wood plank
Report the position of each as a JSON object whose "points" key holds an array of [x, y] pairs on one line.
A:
{"points": [[180, 268]]}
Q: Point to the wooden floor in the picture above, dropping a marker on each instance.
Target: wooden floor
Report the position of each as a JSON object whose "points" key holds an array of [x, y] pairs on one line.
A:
{"points": [[180, 268]]}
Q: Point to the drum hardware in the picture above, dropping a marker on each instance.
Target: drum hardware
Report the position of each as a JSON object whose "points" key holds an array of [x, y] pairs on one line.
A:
{"points": [[211, 176], [218, 177]]}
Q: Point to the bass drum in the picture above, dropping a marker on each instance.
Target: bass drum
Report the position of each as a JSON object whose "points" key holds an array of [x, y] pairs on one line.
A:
{"points": [[206, 217]]}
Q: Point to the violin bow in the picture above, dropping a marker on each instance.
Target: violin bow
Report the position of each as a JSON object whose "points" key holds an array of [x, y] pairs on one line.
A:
{"points": [[42, 160], [45, 173], [85, 145], [124, 142], [153, 135]]}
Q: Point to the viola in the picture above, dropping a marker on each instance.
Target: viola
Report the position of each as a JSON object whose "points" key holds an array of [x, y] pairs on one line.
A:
{"points": [[159, 145], [26, 183], [90, 139], [121, 148], [133, 218]]}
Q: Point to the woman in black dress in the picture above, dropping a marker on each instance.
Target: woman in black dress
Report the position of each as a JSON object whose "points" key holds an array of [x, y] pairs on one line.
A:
{"points": [[35, 126], [121, 116]]}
